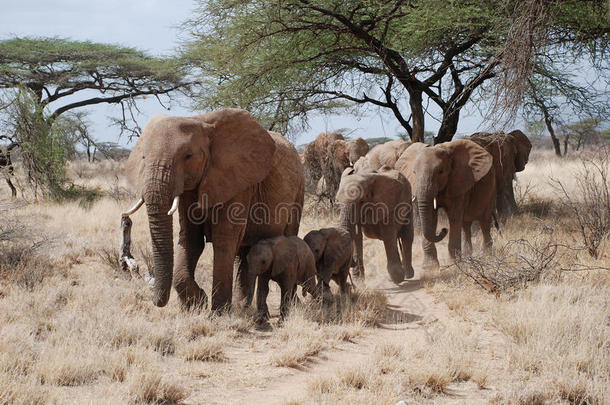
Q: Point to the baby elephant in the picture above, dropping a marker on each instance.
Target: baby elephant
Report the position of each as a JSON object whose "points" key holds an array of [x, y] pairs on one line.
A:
{"points": [[332, 249], [286, 260]]}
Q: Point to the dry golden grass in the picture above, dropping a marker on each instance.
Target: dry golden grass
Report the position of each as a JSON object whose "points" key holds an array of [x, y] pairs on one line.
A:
{"points": [[75, 329]]}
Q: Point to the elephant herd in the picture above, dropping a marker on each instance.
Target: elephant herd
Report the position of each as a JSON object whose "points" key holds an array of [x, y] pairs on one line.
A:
{"points": [[241, 187]]}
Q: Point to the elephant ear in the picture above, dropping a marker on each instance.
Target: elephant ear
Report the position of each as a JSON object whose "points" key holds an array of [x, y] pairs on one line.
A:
{"points": [[406, 162], [284, 256], [523, 145], [470, 163], [241, 155], [134, 169]]}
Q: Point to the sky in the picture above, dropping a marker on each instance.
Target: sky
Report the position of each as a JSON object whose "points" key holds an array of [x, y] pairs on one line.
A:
{"points": [[152, 26]]}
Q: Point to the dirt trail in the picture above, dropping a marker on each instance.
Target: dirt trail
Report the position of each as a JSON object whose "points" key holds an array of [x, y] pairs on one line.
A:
{"points": [[411, 312]]}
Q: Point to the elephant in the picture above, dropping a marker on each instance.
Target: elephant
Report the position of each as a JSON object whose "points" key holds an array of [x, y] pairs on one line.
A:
{"points": [[457, 176], [378, 204], [385, 154], [288, 261], [510, 153], [332, 250], [232, 183], [327, 156]]}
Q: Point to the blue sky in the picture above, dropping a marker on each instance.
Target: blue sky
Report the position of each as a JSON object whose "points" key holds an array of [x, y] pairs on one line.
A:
{"points": [[151, 25]]}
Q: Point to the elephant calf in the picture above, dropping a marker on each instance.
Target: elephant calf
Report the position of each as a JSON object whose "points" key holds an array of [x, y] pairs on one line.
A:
{"points": [[332, 250], [377, 203], [286, 260]]}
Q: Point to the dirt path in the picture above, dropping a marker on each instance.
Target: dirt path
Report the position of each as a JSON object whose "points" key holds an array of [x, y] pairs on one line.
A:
{"points": [[411, 313]]}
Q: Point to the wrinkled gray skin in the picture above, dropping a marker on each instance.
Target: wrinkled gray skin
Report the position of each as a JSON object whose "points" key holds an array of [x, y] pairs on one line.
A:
{"points": [[378, 205], [332, 250], [212, 162], [385, 154], [510, 154], [286, 260], [460, 176]]}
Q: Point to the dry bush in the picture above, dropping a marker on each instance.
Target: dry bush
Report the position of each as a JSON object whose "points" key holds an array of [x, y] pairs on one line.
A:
{"points": [[24, 265], [204, 349], [152, 388], [516, 263], [589, 203]]}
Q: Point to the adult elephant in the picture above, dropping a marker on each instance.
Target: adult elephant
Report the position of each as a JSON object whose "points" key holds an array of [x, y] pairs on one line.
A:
{"points": [[457, 176], [385, 154], [232, 183], [327, 156], [378, 205], [510, 154]]}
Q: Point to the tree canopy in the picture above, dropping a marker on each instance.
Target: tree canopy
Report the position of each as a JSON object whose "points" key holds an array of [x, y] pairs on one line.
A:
{"points": [[43, 83], [55, 68], [285, 59]]}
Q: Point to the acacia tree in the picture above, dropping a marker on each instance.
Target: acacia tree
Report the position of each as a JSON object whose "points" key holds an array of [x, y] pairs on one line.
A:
{"points": [[43, 79], [284, 59]]}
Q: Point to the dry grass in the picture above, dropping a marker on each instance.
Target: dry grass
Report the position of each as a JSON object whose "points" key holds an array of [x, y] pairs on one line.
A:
{"points": [[72, 329], [151, 388]]}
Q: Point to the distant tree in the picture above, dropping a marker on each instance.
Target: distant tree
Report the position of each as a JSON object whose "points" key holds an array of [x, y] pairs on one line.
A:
{"points": [[555, 97], [285, 59], [585, 132], [44, 81], [65, 75]]}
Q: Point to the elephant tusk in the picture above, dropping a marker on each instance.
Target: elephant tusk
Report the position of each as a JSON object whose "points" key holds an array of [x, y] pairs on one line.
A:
{"points": [[435, 205], [413, 199], [174, 206], [134, 208]]}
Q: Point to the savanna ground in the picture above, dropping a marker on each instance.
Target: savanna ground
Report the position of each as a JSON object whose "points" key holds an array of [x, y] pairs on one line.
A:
{"points": [[530, 324]]}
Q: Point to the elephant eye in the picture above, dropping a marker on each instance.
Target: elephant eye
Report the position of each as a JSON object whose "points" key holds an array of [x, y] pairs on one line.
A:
{"points": [[188, 156]]}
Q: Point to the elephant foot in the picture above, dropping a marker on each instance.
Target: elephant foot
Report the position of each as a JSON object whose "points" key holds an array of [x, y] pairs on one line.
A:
{"points": [[396, 273], [197, 300], [409, 272], [262, 317]]}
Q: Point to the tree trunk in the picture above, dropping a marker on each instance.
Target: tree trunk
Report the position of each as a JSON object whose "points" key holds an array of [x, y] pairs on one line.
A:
{"points": [[549, 127], [417, 113], [451, 118]]}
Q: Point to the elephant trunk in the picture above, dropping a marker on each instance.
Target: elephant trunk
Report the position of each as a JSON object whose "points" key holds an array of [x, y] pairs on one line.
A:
{"points": [[163, 255], [427, 213], [346, 218], [158, 195]]}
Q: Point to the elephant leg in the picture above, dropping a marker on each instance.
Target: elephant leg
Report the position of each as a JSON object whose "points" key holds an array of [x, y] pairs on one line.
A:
{"points": [[242, 273], [358, 251], [510, 196], [190, 246], [467, 227], [262, 311], [406, 245], [394, 266], [226, 237], [502, 206], [285, 300], [455, 215], [486, 232]]}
